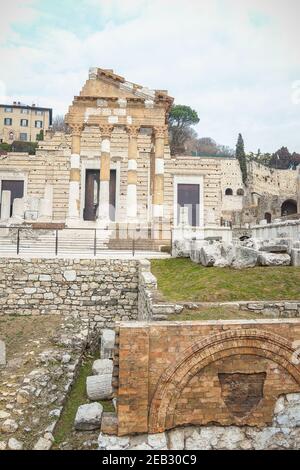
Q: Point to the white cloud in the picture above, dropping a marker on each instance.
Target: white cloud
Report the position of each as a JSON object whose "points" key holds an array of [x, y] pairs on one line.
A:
{"points": [[209, 55]]}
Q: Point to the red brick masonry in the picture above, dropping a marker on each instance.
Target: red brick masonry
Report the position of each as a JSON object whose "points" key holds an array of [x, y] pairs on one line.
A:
{"points": [[224, 372]]}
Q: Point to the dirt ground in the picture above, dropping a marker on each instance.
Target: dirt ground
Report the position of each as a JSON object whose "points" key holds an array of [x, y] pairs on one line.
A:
{"points": [[43, 354]]}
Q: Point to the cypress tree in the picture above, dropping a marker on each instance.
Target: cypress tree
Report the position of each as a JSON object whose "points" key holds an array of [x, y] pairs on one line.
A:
{"points": [[241, 156]]}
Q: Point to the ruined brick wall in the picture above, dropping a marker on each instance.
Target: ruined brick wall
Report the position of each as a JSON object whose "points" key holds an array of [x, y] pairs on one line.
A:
{"points": [[102, 290], [224, 372]]}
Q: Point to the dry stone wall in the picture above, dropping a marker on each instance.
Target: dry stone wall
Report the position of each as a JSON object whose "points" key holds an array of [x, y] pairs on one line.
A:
{"points": [[102, 290]]}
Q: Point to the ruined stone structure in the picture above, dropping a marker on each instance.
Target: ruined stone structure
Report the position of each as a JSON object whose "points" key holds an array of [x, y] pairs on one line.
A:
{"points": [[269, 193], [182, 373], [114, 169]]}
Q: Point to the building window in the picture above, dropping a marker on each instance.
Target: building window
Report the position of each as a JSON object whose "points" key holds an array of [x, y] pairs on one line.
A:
{"points": [[8, 110], [23, 136], [228, 192], [24, 122], [7, 121], [240, 192], [24, 111], [39, 124], [39, 112]]}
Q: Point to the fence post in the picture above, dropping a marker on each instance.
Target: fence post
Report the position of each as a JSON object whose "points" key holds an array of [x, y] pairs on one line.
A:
{"points": [[18, 241], [95, 242], [56, 242]]}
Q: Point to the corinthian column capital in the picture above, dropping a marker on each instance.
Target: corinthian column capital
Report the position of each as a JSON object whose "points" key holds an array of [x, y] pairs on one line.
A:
{"points": [[133, 131], [160, 131], [106, 130], [76, 128]]}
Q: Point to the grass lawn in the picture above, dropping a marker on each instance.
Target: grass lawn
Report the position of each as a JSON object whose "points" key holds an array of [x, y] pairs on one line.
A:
{"points": [[179, 279], [216, 313], [77, 397]]}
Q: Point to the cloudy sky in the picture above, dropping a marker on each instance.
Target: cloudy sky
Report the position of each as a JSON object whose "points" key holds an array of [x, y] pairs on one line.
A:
{"points": [[236, 62]]}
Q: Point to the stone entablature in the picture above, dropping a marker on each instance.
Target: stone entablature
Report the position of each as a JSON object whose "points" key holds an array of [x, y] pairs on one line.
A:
{"points": [[226, 372]]}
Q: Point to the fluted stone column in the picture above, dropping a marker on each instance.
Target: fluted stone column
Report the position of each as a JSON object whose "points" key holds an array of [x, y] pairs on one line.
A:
{"points": [[133, 132], [103, 210], [74, 187], [158, 184]]}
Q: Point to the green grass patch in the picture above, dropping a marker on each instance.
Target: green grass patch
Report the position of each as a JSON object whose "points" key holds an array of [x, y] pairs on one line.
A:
{"points": [[76, 398], [216, 313], [179, 279]]}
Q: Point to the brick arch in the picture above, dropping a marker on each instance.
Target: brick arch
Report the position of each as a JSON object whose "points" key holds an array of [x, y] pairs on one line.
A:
{"points": [[206, 351]]}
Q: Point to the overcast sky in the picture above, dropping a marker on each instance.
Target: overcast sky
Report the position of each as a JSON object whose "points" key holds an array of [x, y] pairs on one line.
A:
{"points": [[236, 62]]}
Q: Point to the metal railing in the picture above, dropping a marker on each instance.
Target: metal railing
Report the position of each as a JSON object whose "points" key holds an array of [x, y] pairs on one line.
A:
{"points": [[82, 241]]}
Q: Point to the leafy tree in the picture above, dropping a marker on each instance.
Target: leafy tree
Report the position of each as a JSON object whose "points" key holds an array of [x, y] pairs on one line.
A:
{"points": [[40, 135], [181, 118], [282, 159], [241, 156]]}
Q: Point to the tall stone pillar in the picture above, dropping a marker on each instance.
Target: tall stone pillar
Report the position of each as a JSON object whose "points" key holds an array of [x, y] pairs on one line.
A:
{"points": [[133, 132], [5, 205], [103, 210], [74, 187], [158, 184]]}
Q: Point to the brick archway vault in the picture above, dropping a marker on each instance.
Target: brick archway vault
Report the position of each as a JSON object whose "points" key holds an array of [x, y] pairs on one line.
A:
{"points": [[206, 351]]}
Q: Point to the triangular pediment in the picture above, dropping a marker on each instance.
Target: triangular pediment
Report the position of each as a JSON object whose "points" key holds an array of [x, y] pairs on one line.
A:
{"points": [[104, 84]]}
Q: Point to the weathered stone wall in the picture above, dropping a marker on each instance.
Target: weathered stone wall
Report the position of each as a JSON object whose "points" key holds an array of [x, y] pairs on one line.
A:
{"points": [[150, 304], [284, 433], [51, 168], [102, 290], [230, 373]]}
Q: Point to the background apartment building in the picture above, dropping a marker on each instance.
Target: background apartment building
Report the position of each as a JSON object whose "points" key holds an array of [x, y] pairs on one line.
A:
{"points": [[20, 122]]}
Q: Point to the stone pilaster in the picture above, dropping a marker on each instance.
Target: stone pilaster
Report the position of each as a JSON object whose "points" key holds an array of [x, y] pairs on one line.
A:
{"points": [[74, 186], [133, 132], [103, 210], [158, 184]]}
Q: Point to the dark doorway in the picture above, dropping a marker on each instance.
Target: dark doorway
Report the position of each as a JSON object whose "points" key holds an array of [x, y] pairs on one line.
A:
{"points": [[16, 187], [289, 207], [92, 193], [268, 217], [188, 196]]}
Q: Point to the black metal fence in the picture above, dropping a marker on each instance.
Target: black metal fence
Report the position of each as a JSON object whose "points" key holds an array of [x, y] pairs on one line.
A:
{"points": [[82, 241]]}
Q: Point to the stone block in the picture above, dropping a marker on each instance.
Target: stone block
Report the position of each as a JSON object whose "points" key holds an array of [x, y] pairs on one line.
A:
{"points": [[107, 343], [88, 417], [99, 387], [210, 254], [2, 353], [109, 424], [102, 367], [274, 259], [295, 256], [244, 257]]}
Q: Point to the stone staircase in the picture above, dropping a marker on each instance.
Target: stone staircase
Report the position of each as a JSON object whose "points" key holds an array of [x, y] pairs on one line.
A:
{"points": [[69, 243]]}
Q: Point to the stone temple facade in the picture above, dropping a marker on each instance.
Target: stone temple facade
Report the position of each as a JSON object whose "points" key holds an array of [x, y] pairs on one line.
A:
{"points": [[114, 169]]}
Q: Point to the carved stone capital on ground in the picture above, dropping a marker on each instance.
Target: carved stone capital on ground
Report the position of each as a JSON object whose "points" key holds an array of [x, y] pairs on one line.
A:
{"points": [[106, 130]]}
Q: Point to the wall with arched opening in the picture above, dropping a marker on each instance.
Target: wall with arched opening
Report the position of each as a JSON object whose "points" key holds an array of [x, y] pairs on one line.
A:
{"points": [[289, 207], [182, 373]]}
